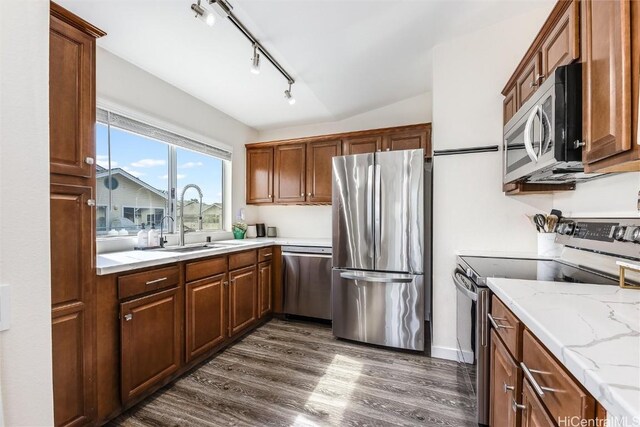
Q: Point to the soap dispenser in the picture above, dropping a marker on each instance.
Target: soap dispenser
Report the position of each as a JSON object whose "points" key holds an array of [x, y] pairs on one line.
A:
{"points": [[143, 238], [154, 237]]}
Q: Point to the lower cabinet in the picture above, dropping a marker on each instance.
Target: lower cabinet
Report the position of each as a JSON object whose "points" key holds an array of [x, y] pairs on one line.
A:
{"points": [[205, 315], [243, 299], [505, 385], [265, 286], [534, 414], [150, 341]]}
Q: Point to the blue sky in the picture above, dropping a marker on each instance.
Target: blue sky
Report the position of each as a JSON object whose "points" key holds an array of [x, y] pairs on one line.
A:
{"points": [[147, 159]]}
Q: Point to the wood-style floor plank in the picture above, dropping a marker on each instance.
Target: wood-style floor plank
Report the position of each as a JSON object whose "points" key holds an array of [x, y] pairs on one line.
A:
{"points": [[297, 374]]}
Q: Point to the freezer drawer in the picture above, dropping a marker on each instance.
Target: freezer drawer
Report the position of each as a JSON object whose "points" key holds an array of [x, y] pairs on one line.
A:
{"points": [[379, 308], [307, 284]]}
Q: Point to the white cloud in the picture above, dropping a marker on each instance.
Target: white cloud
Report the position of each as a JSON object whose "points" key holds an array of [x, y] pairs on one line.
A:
{"points": [[165, 176], [181, 176], [191, 165], [103, 161], [133, 172], [148, 163]]}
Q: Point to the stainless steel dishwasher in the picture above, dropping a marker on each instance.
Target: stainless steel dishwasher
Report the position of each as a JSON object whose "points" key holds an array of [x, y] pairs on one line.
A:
{"points": [[307, 281]]}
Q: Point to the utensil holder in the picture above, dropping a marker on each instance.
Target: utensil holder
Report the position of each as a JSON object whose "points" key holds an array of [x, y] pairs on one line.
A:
{"points": [[238, 234], [547, 246]]}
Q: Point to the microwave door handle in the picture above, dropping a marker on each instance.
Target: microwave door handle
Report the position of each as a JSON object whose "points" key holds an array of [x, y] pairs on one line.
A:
{"points": [[543, 133], [528, 143]]}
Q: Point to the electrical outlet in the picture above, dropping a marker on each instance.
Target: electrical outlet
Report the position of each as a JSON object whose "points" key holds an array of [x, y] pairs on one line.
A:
{"points": [[5, 307]]}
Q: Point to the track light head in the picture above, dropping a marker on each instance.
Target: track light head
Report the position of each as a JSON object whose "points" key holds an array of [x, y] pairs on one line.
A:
{"points": [[255, 61], [203, 14], [288, 96]]}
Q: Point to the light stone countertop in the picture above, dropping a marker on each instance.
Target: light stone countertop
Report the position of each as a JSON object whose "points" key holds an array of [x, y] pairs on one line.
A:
{"points": [[594, 330], [116, 262]]}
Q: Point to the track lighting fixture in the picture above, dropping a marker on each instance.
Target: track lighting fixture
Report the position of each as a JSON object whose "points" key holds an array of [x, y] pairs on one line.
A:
{"points": [[225, 10], [288, 96], [203, 14], [255, 61]]}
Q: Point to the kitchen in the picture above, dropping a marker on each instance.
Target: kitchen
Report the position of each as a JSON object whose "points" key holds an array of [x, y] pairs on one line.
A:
{"points": [[465, 78]]}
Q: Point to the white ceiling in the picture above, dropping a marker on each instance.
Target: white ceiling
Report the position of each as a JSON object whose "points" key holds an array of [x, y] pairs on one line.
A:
{"points": [[346, 56]]}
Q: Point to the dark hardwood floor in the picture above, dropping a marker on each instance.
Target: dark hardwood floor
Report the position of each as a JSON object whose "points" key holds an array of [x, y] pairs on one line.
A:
{"points": [[297, 374]]}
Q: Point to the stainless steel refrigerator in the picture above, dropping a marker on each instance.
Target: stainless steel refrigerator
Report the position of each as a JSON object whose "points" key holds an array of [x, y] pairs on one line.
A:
{"points": [[378, 286]]}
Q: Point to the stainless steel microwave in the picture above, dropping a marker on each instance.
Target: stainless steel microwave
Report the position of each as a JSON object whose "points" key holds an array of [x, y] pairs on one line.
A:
{"points": [[542, 141]]}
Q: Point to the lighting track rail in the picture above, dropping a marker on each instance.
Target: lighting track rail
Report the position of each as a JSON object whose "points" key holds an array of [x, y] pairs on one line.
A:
{"points": [[224, 9]]}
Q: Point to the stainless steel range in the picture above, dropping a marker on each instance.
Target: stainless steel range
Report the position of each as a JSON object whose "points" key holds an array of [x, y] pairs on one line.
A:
{"points": [[591, 248]]}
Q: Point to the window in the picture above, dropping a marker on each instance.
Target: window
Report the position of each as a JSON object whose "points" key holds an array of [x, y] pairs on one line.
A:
{"points": [[141, 172]]}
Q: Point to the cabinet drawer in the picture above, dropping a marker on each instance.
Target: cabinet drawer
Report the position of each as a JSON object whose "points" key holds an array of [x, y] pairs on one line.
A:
{"points": [[265, 254], [207, 268], [140, 283], [558, 391], [242, 259], [507, 326]]}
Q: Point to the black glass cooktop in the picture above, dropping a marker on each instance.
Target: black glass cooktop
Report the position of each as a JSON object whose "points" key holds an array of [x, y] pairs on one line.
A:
{"points": [[533, 269]]}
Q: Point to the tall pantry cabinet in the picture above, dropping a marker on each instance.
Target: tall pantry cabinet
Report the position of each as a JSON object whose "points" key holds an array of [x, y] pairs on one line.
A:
{"points": [[72, 115]]}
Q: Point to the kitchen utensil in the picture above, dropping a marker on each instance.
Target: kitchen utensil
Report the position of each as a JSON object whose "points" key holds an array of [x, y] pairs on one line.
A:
{"points": [[251, 232], [272, 232], [541, 222], [260, 230], [552, 223]]}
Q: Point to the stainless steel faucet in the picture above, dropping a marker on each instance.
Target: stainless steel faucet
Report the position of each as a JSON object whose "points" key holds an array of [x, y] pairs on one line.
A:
{"points": [[186, 187], [163, 240]]}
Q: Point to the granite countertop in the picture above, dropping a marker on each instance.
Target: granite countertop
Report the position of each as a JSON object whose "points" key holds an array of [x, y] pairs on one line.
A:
{"points": [[594, 330], [116, 262]]}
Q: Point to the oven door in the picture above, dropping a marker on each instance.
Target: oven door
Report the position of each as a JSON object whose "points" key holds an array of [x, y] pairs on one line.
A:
{"points": [[528, 145], [466, 307]]}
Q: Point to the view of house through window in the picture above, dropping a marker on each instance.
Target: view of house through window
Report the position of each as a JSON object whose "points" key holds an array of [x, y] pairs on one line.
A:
{"points": [[134, 183]]}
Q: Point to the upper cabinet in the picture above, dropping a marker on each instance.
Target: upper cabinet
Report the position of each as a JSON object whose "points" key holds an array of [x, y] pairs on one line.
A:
{"points": [[611, 48], [300, 171]]}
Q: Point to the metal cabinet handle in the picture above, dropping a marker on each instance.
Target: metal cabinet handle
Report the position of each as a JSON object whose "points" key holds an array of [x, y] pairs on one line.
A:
{"points": [[537, 387], [91, 202], [508, 388], [151, 282], [532, 85], [495, 324], [301, 194], [577, 144], [269, 196], [225, 283], [128, 317], [89, 160], [309, 194], [267, 255], [515, 406], [388, 149]]}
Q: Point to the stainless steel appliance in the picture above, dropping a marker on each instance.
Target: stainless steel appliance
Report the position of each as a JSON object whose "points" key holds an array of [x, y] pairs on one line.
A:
{"points": [[542, 141], [307, 281], [378, 286], [591, 247]]}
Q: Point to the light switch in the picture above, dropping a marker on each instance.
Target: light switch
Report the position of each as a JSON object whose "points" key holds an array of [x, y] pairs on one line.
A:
{"points": [[5, 307]]}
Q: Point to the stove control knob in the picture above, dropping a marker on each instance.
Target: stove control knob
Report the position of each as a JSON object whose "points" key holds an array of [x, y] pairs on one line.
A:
{"points": [[619, 232], [635, 235], [566, 228]]}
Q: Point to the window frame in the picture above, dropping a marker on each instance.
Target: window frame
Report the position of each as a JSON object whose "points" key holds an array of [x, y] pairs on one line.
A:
{"points": [[172, 169]]}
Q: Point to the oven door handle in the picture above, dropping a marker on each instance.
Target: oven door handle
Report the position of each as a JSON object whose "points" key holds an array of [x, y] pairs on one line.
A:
{"points": [[462, 288], [528, 143]]}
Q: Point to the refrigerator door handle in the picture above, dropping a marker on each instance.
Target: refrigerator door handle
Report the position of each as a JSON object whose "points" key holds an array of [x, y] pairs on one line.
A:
{"points": [[377, 233], [377, 278], [369, 207]]}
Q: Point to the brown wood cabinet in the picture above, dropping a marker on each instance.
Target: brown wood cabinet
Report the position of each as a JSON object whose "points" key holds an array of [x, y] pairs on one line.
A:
{"points": [[528, 79], [72, 157], [299, 171], [509, 105], [505, 385], [562, 45], [205, 315], [243, 299], [607, 80], [265, 288], [260, 175], [534, 414], [150, 334]]}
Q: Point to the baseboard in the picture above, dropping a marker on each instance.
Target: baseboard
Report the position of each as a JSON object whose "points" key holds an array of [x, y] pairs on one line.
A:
{"points": [[450, 353]]}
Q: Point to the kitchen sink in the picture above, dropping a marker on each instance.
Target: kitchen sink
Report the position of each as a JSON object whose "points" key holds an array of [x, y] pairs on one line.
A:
{"points": [[187, 249]]}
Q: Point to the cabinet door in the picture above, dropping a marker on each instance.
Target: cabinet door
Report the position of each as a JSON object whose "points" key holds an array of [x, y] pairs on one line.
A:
{"points": [[562, 45], [205, 315], [528, 80], [409, 140], [319, 166], [362, 145], [505, 385], [606, 74], [509, 106], [73, 304], [243, 299], [260, 175], [264, 288], [289, 176], [150, 341], [71, 100], [534, 414]]}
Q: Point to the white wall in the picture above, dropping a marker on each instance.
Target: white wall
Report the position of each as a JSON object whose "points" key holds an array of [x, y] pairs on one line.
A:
{"points": [[470, 210], [121, 83], [315, 221], [25, 370]]}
